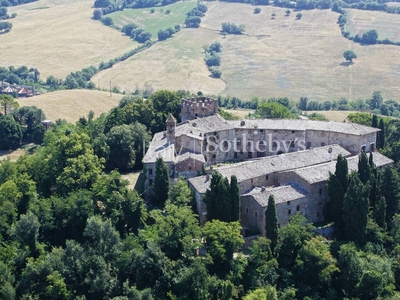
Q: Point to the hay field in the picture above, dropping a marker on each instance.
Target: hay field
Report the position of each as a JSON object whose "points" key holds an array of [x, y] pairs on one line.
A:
{"points": [[12, 155], [72, 104], [58, 37], [176, 63], [280, 57], [153, 22], [387, 25], [333, 115], [241, 113]]}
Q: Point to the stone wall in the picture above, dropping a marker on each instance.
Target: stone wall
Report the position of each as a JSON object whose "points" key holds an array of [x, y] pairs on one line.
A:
{"points": [[198, 107]]}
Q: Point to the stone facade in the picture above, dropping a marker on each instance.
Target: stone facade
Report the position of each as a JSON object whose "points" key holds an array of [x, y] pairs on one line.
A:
{"points": [[288, 158], [198, 108]]}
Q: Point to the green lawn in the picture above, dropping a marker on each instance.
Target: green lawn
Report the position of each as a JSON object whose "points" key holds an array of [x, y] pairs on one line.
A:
{"points": [[153, 22]]}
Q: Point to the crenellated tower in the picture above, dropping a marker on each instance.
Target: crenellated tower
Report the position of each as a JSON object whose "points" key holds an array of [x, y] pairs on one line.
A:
{"points": [[198, 108]]}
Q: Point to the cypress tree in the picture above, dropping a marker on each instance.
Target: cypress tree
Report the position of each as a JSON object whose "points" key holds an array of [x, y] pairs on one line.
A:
{"points": [[224, 203], [374, 121], [271, 222], [390, 189], [364, 170], [371, 160], [374, 194], [161, 183], [355, 211], [342, 171], [380, 143], [235, 198], [335, 204], [211, 196], [218, 199], [380, 212]]}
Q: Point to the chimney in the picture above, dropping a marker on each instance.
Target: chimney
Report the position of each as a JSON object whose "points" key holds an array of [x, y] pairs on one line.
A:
{"points": [[263, 189]]}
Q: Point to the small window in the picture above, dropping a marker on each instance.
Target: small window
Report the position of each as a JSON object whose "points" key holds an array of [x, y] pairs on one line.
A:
{"points": [[291, 144], [363, 148], [320, 203], [288, 203], [225, 144], [317, 214], [322, 144], [150, 171], [289, 212], [214, 156], [238, 141], [150, 182], [266, 177], [372, 147], [320, 191], [261, 130], [274, 145], [248, 144], [308, 145], [256, 215], [298, 207], [190, 168], [279, 225], [247, 210], [251, 180], [235, 155], [262, 143], [292, 131], [250, 155]]}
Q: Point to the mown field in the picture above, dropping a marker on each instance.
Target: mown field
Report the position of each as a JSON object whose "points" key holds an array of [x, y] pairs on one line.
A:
{"points": [[59, 37], [72, 104], [333, 115], [153, 22], [387, 25], [176, 63], [275, 57]]}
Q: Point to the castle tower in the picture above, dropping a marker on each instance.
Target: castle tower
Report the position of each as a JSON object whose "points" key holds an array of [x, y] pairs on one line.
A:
{"points": [[198, 108], [171, 124]]}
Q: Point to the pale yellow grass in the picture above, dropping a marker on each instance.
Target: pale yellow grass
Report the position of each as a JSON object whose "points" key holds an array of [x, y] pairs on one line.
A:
{"points": [[72, 104], [132, 178], [280, 57], [177, 63], [12, 155], [333, 115], [241, 113], [59, 39], [387, 25]]}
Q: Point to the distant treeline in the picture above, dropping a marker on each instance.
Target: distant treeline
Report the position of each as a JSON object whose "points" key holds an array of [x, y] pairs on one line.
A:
{"points": [[79, 79], [109, 6], [375, 104]]}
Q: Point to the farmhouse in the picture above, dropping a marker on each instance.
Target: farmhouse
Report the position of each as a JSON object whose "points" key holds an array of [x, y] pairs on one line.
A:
{"points": [[290, 159]]}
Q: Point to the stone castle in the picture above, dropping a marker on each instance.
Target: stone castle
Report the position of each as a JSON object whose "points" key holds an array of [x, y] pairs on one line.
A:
{"points": [[290, 159]]}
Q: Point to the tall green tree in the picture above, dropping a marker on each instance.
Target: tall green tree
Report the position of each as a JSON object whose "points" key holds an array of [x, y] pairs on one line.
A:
{"points": [[8, 103], [390, 189], [364, 170], [235, 198], [374, 121], [10, 133], [218, 199], [161, 183], [355, 211], [122, 148], [380, 140], [271, 222], [380, 212], [342, 171]]}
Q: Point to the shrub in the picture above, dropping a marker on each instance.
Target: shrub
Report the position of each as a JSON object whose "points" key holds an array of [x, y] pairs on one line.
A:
{"points": [[97, 14], [107, 21], [152, 11], [168, 12], [298, 16], [257, 10], [215, 71]]}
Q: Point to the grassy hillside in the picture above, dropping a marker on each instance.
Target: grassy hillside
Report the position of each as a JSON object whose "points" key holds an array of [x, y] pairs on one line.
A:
{"points": [[72, 104], [59, 37], [176, 63], [275, 57], [153, 22], [387, 25], [333, 115]]}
